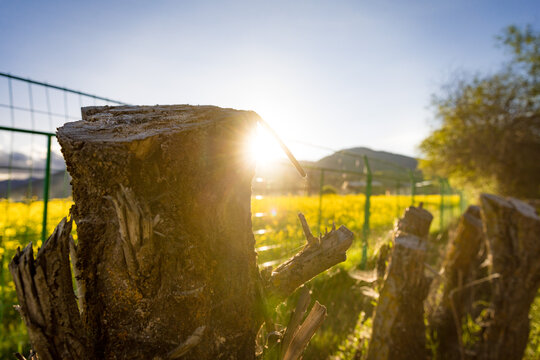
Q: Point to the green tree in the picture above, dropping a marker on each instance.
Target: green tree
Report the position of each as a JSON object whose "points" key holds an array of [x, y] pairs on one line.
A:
{"points": [[489, 133]]}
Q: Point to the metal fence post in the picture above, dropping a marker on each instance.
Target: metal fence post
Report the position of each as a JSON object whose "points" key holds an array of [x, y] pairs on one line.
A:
{"points": [[441, 208], [46, 182], [367, 205], [320, 200], [2, 285], [398, 185], [413, 186]]}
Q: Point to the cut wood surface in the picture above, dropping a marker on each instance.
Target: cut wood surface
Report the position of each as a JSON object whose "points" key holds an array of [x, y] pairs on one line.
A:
{"points": [[398, 323], [512, 231]]}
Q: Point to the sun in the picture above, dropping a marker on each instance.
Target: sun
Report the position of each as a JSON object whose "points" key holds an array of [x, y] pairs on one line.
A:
{"points": [[263, 147]]}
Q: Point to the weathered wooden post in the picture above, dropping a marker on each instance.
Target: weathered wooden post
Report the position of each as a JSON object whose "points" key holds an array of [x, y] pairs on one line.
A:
{"points": [[165, 261], [512, 230], [460, 267], [162, 206], [398, 323]]}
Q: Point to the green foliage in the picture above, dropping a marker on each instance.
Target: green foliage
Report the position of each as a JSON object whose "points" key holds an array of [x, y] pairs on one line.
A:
{"points": [[355, 346], [489, 134], [524, 45], [432, 343], [470, 330], [329, 190], [533, 346]]}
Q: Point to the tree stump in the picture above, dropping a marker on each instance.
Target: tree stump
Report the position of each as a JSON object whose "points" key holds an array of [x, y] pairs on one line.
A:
{"points": [[460, 267], [165, 264], [512, 231], [398, 323], [165, 245]]}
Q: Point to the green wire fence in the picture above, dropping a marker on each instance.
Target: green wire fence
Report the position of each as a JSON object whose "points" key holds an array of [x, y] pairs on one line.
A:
{"points": [[277, 239], [29, 162]]}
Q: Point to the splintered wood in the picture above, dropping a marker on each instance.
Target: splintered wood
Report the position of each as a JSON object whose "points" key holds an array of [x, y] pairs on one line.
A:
{"points": [[45, 291]]}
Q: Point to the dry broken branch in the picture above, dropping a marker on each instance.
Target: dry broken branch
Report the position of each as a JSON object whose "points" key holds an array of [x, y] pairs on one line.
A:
{"points": [[317, 256], [296, 319], [306, 331]]}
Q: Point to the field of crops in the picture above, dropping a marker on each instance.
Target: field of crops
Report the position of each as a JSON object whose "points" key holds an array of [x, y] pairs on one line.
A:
{"points": [[277, 230], [279, 234]]}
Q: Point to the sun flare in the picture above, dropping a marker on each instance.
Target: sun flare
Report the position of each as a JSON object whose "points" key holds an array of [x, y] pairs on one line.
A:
{"points": [[263, 147]]}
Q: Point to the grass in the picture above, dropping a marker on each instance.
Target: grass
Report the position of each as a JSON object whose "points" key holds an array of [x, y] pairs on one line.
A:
{"points": [[278, 235]]}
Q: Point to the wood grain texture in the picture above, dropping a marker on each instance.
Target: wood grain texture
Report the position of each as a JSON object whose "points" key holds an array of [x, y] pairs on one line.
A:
{"points": [[48, 303], [512, 230], [461, 266], [317, 256], [162, 205], [398, 323]]}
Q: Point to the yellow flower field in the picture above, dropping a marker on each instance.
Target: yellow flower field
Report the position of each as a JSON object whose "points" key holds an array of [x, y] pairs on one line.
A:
{"points": [[278, 234]]}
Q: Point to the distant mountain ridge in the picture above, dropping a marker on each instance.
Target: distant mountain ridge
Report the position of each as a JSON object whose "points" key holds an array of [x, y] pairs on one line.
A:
{"points": [[346, 159], [388, 170], [20, 189], [344, 171]]}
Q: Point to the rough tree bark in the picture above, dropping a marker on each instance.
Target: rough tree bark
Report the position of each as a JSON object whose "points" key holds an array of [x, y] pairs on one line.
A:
{"points": [[165, 261], [163, 220], [512, 231], [460, 267], [398, 323]]}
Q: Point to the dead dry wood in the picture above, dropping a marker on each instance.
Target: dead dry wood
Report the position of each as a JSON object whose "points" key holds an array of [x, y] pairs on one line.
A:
{"points": [[461, 266], [512, 230], [398, 323]]}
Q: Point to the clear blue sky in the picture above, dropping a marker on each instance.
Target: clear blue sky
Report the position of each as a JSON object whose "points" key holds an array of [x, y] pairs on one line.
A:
{"points": [[335, 73]]}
